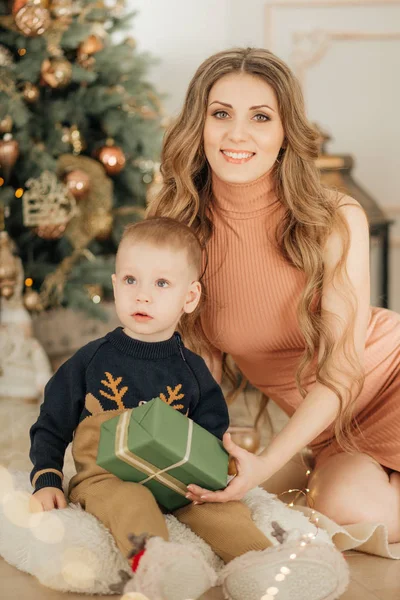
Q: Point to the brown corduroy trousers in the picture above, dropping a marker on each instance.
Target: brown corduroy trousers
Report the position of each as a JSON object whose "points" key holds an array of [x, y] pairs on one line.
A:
{"points": [[125, 507]]}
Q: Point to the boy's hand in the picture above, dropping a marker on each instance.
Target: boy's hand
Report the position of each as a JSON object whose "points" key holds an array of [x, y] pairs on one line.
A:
{"points": [[47, 498]]}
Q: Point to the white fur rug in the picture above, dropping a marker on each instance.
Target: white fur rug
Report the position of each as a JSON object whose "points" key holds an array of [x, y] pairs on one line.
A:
{"points": [[70, 550]]}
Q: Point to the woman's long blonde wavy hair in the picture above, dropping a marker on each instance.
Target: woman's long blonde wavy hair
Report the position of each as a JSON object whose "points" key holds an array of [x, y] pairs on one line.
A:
{"points": [[311, 215]]}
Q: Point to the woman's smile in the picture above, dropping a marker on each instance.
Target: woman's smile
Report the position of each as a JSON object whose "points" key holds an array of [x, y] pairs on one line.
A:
{"points": [[237, 157]]}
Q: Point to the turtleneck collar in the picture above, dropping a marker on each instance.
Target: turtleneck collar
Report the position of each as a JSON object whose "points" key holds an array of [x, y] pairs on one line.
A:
{"points": [[244, 200], [145, 350]]}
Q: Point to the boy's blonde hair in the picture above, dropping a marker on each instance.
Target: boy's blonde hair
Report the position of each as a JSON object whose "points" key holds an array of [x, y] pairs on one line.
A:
{"points": [[164, 232]]}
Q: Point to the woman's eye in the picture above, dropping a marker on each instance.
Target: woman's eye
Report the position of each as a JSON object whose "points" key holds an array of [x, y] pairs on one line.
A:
{"points": [[220, 114], [263, 118], [162, 283], [130, 280]]}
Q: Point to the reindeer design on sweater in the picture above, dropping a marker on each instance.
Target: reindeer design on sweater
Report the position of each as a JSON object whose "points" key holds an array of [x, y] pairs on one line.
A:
{"points": [[116, 392]]}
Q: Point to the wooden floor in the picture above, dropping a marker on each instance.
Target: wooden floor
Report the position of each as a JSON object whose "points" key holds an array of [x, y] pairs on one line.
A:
{"points": [[372, 578]]}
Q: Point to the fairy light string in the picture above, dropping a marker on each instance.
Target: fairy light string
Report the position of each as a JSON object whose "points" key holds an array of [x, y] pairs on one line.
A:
{"points": [[271, 593]]}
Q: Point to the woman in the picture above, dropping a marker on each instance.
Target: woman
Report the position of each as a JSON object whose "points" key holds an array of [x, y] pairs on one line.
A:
{"points": [[288, 286]]}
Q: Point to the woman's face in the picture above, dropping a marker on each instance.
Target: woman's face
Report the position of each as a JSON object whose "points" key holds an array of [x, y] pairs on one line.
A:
{"points": [[243, 131]]}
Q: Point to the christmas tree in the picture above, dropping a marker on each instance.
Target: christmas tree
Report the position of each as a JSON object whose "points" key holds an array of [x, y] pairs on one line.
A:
{"points": [[80, 131]]}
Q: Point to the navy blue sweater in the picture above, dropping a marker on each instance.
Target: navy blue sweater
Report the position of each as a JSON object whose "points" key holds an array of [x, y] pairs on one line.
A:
{"points": [[121, 372]]}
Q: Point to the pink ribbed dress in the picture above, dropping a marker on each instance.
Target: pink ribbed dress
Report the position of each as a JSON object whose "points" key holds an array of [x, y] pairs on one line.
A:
{"points": [[254, 294]]}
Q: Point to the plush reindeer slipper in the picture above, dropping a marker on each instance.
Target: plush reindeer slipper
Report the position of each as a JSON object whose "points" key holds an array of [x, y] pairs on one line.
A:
{"points": [[170, 571], [311, 571]]}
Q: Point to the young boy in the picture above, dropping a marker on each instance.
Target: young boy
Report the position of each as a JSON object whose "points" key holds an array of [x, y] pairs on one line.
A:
{"points": [[156, 284]]}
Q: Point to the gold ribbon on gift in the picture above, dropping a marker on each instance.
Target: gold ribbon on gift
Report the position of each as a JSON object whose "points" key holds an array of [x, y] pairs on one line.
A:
{"points": [[122, 452]]}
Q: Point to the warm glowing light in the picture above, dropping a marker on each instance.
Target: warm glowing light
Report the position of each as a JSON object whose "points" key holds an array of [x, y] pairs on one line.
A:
{"points": [[79, 567], [1, 181], [19, 193], [272, 591], [29, 282], [22, 51]]}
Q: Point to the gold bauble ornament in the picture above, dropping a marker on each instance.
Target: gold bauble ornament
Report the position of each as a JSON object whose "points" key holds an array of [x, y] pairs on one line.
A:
{"points": [[32, 301], [78, 183], [30, 92], [32, 19], [56, 72], [245, 437], [9, 152], [91, 45], [6, 124], [112, 158], [51, 232]]}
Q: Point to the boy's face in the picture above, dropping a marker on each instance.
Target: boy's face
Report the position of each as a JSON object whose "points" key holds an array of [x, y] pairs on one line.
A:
{"points": [[153, 287]]}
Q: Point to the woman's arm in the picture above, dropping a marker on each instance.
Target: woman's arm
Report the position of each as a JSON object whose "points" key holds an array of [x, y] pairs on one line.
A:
{"points": [[319, 408]]}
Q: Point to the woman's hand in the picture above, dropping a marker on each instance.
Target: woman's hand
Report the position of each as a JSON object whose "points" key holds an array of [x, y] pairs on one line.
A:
{"points": [[250, 469]]}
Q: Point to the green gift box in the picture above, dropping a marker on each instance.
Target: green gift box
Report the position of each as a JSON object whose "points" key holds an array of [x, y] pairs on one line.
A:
{"points": [[159, 447]]}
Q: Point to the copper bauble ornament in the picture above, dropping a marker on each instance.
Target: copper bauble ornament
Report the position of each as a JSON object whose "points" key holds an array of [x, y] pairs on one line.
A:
{"points": [[112, 158], [78, 183], [51, 232], [32, 19], [91, 45], [6, 124], [9, 152], [32, 301], [245, 437], [30, 92], [56, 72]]}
